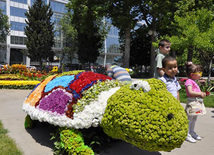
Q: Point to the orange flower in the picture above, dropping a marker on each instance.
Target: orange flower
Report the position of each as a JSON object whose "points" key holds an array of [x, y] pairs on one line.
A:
{"points": [[35, 96]]}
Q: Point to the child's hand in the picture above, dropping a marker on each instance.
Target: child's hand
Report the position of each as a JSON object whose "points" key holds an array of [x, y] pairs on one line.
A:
{"points": [[203, 94]]}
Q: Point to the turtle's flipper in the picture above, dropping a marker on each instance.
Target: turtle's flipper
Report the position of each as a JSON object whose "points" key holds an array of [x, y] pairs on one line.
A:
{"points": [[29, 123], [71, 140]]}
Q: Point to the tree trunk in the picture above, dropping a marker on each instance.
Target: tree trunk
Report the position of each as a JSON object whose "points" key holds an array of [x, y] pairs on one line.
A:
{"points": [[209, 72], [126, 56], [40, 64], [190, 54], [152, 55]]}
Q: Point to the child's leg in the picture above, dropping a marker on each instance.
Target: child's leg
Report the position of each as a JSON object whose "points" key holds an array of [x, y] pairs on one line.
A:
{"points": [[189, 138], [192, 120]]}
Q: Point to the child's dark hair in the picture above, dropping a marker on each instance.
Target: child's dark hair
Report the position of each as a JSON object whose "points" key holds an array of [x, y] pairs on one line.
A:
{"points": [[166, 59], [192, 68], [163, 42]]}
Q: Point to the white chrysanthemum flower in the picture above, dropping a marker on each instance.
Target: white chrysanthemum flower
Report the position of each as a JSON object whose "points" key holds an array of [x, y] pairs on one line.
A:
{"points": [[140, 84]]}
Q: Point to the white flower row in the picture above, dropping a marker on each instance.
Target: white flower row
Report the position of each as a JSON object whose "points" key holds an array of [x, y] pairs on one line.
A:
{"points": [[90, 116]]}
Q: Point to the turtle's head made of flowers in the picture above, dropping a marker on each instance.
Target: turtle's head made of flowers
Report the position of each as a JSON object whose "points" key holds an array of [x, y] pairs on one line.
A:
{"points": [[146, 115]]}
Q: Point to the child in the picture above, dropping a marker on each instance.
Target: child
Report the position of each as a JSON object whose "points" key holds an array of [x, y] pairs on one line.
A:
{"points": [[194, 106], [118, 73], [170, 69], [164, 47]]}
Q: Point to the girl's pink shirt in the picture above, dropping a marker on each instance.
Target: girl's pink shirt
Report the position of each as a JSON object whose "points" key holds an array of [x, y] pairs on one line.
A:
{"points": [[194, 85]]}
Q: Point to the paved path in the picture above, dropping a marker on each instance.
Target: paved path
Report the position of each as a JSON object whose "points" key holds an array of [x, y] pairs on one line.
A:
{"points": [[37, 141]]}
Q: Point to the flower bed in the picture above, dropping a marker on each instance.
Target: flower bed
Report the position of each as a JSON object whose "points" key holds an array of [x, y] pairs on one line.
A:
{"points": [[11, 77], [4, 84]]}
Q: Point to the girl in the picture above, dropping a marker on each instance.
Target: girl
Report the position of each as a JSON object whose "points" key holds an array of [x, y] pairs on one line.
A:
{"points": [[195, 105]]}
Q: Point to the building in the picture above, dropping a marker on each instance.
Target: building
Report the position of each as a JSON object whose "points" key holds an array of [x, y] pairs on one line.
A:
{"points": [[11, 51]]}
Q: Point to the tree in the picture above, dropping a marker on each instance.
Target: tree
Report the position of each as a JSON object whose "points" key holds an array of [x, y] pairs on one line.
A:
{"points": [[88, 21], [158, 16], [195, 31], [4, 27], [140, 47], [186, 6], [205, 40], [69, 37], [123, 14], [39, 32]]}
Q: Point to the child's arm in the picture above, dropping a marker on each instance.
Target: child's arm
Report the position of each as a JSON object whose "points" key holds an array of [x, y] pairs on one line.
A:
{"points": [[160, 71], [178, 96], [195, 94]]}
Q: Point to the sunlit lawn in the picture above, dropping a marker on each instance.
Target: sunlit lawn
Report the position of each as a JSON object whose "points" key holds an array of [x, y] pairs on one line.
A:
{"points": [[7, 145]]}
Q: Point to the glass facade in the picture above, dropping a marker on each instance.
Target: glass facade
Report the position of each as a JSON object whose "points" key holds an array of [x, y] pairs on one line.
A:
{"points": [[57, 30], [3, 7], [14, 11], [58, 7], [18, 40], [17, 26], [20, 1], [112, 40]]}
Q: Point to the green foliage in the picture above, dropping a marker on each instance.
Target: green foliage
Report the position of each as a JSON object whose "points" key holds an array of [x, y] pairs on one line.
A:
{"points": [[124, 14], [87, 20], [153, 121], [195, 34], [7, 145], [28, 122], [39, 32], [140, 47], [69, 36], [191, 5], [4, 27], [70, 141], [158, 15]]}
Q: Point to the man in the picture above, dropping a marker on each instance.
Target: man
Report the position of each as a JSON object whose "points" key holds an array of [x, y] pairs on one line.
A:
{"points": [[118, 73]]}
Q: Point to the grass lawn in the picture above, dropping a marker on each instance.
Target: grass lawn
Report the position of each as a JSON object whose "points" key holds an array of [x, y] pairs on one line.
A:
{"points": [[7, 145], [208, 101]]}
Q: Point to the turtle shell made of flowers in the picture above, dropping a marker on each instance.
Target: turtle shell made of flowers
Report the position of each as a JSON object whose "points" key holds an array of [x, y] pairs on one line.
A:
{"points": [[73, 99]]}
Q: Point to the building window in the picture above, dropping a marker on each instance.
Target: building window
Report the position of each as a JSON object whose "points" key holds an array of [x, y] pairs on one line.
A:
{"points": [[32, 1], [3, 7], [18, 40], [57, 7], [17, 26], [17, 12], [20, 1]]}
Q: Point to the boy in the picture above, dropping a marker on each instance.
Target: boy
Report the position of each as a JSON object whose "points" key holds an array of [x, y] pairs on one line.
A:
{"points": [[170, 69], [164, 47], [118, 73]]}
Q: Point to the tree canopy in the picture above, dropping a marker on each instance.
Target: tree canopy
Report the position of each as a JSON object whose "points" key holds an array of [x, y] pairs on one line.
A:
{"points": [[124, 14], [140, 47], [4, 27], [69, 37], [195, 33], [39, 32], [87, 20]]}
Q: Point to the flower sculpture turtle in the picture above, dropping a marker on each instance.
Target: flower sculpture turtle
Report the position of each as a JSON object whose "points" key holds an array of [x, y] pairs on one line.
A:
{"points": [[142, 113]]}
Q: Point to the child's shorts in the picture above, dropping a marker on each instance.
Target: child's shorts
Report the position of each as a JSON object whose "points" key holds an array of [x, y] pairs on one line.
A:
{"points": [[195, 106]]}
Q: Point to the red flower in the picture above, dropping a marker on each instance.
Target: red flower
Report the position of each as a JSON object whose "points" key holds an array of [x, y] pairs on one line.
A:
{"points": [[86, 78], [207, 93]]}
